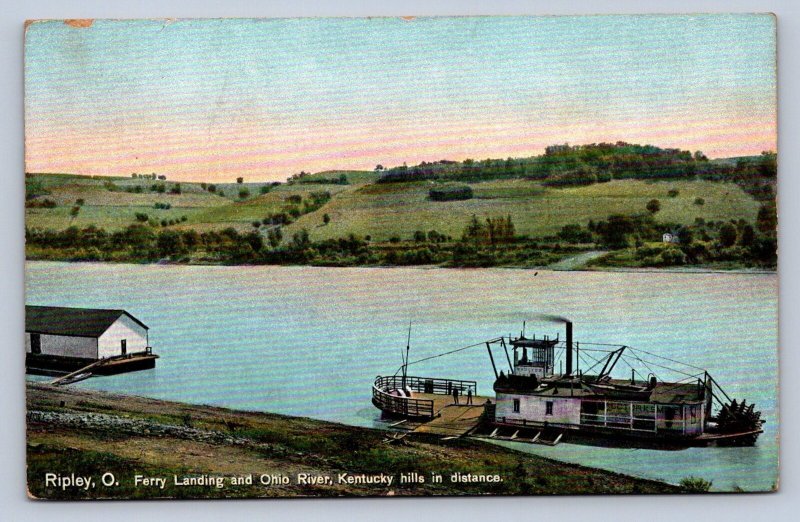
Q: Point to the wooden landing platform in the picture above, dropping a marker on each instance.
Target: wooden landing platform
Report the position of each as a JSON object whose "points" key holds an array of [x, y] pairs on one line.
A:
{"points": [[451, 420], [109, 366]]}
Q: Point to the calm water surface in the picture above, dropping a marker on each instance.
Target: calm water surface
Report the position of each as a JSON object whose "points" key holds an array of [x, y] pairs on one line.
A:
{"points": [[309, 341]]}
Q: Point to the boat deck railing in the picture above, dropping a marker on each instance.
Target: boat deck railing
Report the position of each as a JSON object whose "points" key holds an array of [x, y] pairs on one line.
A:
{"points": [[427, 384], [414, 407], [614, 422]]}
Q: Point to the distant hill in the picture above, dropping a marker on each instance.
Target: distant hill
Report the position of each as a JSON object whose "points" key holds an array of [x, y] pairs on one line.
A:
{"points": [[578, 165], [380, 210], [114, 203], [566, 185], [734, 160], [344, 177], [391, 210]]}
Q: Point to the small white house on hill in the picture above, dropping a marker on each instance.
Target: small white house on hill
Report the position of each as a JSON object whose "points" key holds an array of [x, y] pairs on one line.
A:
{"points": [[670, 237], [83, 333]]}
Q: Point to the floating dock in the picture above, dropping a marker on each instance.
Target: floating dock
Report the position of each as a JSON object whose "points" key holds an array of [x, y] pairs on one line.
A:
{"points": [[450, 419], [427, 405], [109, 366]]}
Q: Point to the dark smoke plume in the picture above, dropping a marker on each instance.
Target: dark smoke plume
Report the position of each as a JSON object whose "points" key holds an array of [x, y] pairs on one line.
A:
{"points": [[551, 318]]}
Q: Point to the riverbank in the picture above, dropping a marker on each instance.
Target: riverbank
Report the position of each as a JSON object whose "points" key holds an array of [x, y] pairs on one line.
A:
{"points": [[559, 267], [199, 451]]}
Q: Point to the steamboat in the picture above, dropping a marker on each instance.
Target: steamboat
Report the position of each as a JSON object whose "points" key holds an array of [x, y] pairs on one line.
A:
{"points": [[533, 401]]}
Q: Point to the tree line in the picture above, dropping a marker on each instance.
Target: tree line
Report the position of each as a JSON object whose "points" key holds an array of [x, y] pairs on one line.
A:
{"points": [[635, 240], [571, 165]]}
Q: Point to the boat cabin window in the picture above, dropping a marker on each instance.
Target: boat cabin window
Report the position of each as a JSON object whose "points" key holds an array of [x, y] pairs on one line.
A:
{"points": [[548, 408], [36, 343], [124, 346], [669, 416], [516, 405]]}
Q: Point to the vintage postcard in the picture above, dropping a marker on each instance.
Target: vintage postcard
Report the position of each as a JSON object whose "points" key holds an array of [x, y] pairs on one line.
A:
{"points": [[401, 256]]}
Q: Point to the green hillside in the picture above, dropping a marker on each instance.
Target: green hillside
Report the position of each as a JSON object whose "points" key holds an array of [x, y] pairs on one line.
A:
{"points": [[109, 203], [400, 209], [382, 210], [606, 205], [105, 203]]}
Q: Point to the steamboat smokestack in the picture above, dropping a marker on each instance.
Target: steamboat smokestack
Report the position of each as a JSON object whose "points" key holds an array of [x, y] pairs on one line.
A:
{"points": [[569, 347]]}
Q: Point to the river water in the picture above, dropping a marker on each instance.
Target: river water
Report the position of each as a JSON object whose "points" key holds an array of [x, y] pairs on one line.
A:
{"points": [[309, 341]]}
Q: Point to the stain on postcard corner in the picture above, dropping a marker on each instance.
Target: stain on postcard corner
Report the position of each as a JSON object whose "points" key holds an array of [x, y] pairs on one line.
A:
{"points": [[80, 23]]}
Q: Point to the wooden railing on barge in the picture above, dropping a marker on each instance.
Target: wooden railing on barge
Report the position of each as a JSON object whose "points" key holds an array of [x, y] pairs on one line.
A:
{"points": [[414, 407]]}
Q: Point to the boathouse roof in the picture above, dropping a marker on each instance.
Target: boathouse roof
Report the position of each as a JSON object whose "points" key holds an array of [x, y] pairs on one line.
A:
{"points": [[76, 322]]}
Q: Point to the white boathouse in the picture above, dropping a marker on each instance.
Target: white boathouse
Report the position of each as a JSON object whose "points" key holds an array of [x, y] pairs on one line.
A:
{"points": [[83, 333]]}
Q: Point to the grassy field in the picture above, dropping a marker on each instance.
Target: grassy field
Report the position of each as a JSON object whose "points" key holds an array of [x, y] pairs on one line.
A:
{"points": [[399, 209], [382, 211], [241, 214], [116, 209], [186, 440]]}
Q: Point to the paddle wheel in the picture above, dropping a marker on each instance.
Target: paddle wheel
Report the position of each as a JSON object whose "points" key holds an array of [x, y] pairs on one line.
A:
{"points": [[740, 421]]}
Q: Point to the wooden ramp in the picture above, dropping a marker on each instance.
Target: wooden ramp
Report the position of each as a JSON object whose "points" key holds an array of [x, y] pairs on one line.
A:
{"points": [[79, 374], [452, 420], [108, 366]]}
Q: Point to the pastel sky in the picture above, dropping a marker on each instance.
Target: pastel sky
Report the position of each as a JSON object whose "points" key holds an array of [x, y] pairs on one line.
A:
{"points": [[263, 99]]}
